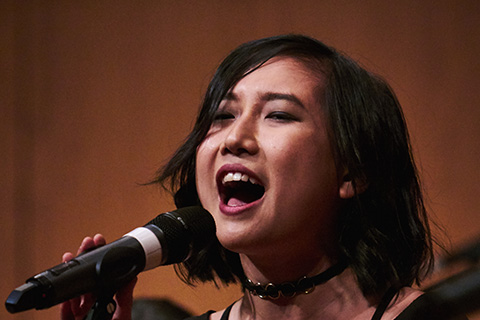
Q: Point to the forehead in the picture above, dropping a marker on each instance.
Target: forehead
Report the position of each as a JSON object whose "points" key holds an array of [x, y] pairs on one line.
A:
{"points": [[282, 74]]}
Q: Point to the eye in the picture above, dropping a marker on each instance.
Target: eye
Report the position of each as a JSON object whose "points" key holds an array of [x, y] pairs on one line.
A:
{"points": [[281, 116], [222, 116]]}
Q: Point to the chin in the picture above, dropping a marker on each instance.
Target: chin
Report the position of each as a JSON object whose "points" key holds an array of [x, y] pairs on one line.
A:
{"points": [[237, 243]]}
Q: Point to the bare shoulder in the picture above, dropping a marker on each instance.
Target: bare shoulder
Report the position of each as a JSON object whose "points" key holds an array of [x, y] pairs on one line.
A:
{"points": [[234, 312], [217, 315], [405, 297]]}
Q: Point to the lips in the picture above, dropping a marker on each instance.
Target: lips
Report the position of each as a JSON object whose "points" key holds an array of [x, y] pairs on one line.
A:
{"points": [[238, 188]]}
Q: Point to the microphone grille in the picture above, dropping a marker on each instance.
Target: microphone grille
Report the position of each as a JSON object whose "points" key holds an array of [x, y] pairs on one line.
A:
{"points": [[182, 230]]}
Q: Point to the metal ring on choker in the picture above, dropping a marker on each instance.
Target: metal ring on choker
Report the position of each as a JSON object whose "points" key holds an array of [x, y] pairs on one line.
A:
{"points": [[304, 285]]}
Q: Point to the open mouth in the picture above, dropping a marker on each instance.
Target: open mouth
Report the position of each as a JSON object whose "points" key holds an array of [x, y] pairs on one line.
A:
{"points": [[238, 189]]}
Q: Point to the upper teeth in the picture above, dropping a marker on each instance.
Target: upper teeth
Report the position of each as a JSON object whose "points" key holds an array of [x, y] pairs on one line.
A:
{"points": [[237, 176]]}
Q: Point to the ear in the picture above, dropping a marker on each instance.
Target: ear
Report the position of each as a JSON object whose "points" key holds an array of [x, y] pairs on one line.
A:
{"points": [[348, 189]]}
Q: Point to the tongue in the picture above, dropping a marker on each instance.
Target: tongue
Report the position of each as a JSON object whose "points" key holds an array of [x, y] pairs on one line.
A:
{"points": [[235, 202], [241, 193], [241, 197]]}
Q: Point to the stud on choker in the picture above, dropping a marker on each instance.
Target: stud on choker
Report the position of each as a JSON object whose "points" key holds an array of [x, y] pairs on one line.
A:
{"points": [[304, 285]]}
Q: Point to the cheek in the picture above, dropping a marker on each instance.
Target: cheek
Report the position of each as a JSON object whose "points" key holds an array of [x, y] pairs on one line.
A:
{"points": [[304, 161], [205, 154], [291, 150], [205, 167]]}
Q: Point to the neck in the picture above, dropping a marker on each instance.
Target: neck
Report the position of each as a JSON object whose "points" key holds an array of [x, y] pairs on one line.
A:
{"points": [[304, 285], [338, 298], [285, 267]]}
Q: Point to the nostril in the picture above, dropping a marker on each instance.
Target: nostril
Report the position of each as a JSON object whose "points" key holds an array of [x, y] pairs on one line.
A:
{"points": [[240, 136], [235, 150], [240, 143]]}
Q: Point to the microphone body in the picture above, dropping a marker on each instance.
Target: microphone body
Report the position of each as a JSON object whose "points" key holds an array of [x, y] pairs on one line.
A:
{"points": [[167, 239], [449, 299]]}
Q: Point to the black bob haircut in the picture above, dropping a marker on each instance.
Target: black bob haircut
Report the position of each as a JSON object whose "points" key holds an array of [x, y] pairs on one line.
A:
{"points": [[384, 231]]}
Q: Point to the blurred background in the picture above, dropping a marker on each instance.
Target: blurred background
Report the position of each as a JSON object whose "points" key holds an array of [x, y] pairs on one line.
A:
{"points": [[96, 95]]}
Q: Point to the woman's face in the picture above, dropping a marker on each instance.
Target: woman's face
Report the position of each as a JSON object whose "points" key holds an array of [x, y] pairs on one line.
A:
{"points": [[265, 170]]}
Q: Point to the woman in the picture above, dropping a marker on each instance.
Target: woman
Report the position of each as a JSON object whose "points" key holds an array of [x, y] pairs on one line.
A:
{"points": [[303, 159]]}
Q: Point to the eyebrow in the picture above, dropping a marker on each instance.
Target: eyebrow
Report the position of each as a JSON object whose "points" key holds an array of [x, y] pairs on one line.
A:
{"points": [[269, 96]]}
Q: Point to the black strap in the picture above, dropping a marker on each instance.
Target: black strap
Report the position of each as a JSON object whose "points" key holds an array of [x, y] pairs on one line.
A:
{"points": [[383, 305], [226, 313]]}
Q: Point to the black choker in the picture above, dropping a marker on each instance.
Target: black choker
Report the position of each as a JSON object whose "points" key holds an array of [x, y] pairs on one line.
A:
{"points": [[290, 289]]}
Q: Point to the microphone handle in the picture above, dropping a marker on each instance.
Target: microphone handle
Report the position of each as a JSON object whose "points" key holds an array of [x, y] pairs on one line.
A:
{"points": [[103, 270]]}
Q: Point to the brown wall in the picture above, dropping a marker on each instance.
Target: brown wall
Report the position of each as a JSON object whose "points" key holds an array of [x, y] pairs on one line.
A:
{"points": [[96, 94]]}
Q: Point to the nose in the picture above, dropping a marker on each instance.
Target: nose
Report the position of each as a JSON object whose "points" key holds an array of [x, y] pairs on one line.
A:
{"points": [[241, 138]]}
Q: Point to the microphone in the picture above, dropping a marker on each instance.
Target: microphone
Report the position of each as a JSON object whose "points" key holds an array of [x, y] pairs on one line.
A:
{"points": [[169, 238], [448, 299], [469, 253]]}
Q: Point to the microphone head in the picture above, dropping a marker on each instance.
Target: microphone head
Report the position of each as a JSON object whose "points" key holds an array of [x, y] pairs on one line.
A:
{"points": [[182, 231]]}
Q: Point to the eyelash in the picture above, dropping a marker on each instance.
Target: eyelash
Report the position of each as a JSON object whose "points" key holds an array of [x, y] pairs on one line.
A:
{"points": [[221, 116], [276, 115], [281, 116]]}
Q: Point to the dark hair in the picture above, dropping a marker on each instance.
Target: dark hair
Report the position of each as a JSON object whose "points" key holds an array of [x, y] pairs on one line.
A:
{"points": [[384, 230]]}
